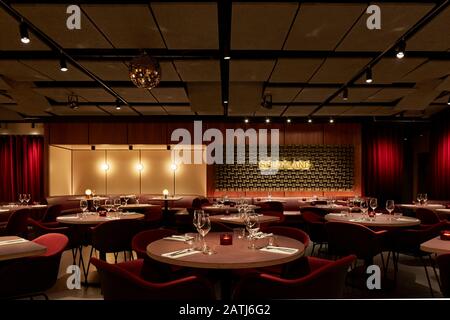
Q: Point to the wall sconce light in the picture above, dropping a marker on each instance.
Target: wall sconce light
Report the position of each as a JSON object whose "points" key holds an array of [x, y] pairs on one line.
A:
{"points": [[105, 167], [140, 167], [88, 192], [165, 193], [173, 167]]}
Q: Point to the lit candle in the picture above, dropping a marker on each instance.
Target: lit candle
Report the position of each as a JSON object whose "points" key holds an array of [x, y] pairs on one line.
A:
{"points": [[445, 235], [165, 193], [226, 239], [88, 193]]}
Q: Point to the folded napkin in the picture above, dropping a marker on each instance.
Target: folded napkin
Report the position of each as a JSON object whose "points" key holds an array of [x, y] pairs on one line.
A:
{"points": [[229, 218], [128, 213], [262, 235], [338, 214], [66, 218], [180, 253], [357, 220], [12, 241], [179, 238], [281, 250]]}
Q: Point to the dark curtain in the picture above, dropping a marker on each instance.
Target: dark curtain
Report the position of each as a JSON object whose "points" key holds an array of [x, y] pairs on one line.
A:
{"points": [[440, 158], [383, 157], [21, 167]]}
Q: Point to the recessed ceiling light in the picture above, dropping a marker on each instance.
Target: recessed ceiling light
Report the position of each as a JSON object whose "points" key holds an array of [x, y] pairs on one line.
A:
{"points": [[288, 120], [227, 58], [63, 64], [24, 37], [369, 78], [267, 120], [246, 120], [401, 49], [345, 94], [309, 120], [331, 120]]}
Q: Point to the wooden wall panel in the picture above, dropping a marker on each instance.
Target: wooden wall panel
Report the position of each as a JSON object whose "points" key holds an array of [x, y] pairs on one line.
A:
{"points": [[107, 133], [68, 133], [303, 133], [147, 133]]}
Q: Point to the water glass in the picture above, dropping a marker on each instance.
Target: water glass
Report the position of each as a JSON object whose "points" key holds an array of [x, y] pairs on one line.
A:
{"points": [[83, 206], [390, 206], [239, 233]]}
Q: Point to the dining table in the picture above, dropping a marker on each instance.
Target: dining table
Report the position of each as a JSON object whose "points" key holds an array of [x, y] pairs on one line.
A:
{"points": [[225, 258], [12, 247], [92, 218], [224, 209], [436, 245], [237, 220], [443, 213], [168, 218], [37, 210], [383, 220]]}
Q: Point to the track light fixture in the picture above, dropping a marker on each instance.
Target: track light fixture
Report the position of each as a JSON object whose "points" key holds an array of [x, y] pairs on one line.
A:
{"points": [[345, 94], [288, 120], [331, 120], [309, 120], [448, 101], [118, 107], [267, 120], [72, 101], [369, 78], [63, 64], [23, 29], [401, 49], [246, 120], [267, 101]]}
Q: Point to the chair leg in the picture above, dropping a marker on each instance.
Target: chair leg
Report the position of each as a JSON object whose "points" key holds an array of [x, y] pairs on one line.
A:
{"points": [[433, 265], [428, 277], [86, 272], [320, 248], [312, 251]]}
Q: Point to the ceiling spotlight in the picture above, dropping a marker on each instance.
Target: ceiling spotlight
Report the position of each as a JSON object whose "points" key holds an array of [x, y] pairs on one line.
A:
{"points": [[118, 107], [93, 148], [345, 94], [24, 37], [309, 120], [401, 49], [331, 120], [225, 101], [267, 120], [226, 58], [130, 147], [246, 120], [369, 78], [267, 101], [63, 64], [448, 101], [288, 120], [72, 101]]}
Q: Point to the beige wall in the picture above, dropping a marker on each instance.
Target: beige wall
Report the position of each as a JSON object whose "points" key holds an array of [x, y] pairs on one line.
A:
{"points": [[60, 170], [82, 170]]}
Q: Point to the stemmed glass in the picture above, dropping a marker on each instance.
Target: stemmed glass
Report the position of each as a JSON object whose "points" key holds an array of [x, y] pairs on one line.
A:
{"points": [[204, 226], [96, 204], [364, 207], [252, 225], [390, 206], [83, 207], [116, 205], [108, 206], [424, 198], [373, 203], [27, 197], [21, 198], [197, 215]]}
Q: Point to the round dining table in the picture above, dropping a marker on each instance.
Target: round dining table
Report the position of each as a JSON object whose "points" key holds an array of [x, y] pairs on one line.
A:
{"points": [[384, 220], [236, 220], [223, 209], [91, 218], [226, 257]]}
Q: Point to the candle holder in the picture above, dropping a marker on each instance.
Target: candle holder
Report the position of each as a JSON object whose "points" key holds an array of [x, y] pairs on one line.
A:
{"points": [[445, 235], [226, 239]]}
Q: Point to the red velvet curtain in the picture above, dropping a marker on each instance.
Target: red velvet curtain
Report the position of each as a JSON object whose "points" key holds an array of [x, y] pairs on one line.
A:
{"points": [[21, 167], [440, 158], [383, 155]]}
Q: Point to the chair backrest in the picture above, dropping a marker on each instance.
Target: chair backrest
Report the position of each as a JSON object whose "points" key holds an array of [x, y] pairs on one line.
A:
{"points": [[272, 208], [427, 216], [115, 235], [34, 274], [351, 238], [52, 213], [17, 224], [443, 262], [411, 239], [315, 225], [122, 281], [290, 232], [326, 282], [141, 240]]}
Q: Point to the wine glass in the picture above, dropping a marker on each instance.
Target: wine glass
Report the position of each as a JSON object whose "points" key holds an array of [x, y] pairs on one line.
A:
{"points": [[252, 225], [204, 226], [373, 204], [364, 207], [21, 198], [27, 198], [108, 205], [96, 204], [83, 207], [197, 215], [424, 198], [419, 198], [390, 206]]}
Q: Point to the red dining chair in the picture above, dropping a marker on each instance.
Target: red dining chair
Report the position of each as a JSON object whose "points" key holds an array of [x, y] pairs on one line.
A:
{"points": [[220, 227], [272, 208], [443, 262], [17, 224], [427, 217], [50, 215], [315, 227], [325, 280], [32, 276], [123, 281], [351, 238]]}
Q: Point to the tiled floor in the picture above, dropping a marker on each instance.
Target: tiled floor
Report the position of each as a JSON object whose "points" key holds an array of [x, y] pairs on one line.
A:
{"points": [[411, 282]]}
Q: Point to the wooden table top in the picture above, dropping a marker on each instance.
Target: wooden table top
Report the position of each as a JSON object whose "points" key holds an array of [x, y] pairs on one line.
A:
{"points": [[431, 206], [235, 256], [383, 220], [138, 206], [436, 245], [214, 208], [169, 198], [93, 219], [20, 249], [8, 208], [233, 219]]}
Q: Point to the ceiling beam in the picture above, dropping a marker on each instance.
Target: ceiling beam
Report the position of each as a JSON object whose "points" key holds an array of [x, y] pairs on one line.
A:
{"points": [[435, 11], [168, 54]]}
